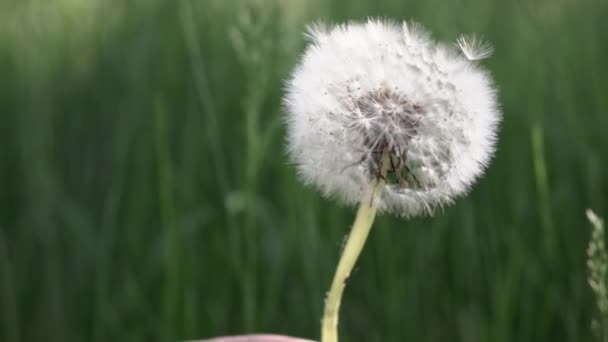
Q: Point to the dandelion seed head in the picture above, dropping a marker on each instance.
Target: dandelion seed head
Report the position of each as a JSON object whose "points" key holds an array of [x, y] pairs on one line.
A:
{"points": [[361, 89]]}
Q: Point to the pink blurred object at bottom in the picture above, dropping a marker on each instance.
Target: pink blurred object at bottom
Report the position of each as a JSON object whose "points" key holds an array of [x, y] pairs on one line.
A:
{"points": [[256, 338]]}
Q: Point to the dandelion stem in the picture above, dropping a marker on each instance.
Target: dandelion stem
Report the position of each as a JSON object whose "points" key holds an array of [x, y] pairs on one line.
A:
{"points": [[350, 254]]}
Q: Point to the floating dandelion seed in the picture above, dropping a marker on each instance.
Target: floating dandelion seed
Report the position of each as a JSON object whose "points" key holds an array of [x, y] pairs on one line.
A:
{"points": [[474, 48], [381, 115]]}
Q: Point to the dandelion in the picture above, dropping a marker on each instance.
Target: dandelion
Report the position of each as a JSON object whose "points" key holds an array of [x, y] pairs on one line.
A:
{"points": [[380, 115]]}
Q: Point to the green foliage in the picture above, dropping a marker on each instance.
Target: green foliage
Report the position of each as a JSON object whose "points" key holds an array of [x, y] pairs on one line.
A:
{"points": [[146, 195]]}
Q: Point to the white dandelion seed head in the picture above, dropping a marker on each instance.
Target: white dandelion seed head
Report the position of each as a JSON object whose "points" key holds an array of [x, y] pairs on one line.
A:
{"points": [[364, 89]]}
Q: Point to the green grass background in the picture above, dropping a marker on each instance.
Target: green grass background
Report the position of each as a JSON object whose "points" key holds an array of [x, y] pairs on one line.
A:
{"points": [[145, 194]]}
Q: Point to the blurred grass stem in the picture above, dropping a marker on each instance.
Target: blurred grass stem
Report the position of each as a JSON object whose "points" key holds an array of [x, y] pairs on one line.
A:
{"points": [[167, 214]]}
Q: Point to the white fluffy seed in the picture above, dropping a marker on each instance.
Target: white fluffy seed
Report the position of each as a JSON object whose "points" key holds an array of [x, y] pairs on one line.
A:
{"points": [[364, 88]]}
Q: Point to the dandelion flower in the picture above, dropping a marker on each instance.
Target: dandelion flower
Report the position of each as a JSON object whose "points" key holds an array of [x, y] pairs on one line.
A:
{"points": [[380, 115], [364, 88]]}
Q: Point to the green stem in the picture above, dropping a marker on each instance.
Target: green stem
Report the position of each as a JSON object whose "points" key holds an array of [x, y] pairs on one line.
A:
{"points": [[540, 170], [352, 250]]}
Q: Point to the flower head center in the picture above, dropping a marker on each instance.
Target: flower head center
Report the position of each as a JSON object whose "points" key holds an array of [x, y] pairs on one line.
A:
{"points": [[388, 121]]}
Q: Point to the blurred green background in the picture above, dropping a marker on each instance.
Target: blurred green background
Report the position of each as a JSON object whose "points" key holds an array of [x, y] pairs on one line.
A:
{"points": [[145, 194]]}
